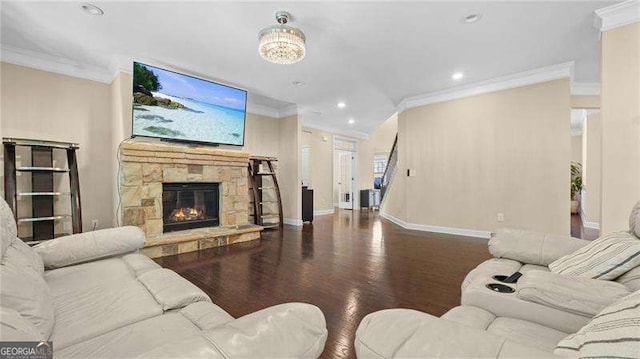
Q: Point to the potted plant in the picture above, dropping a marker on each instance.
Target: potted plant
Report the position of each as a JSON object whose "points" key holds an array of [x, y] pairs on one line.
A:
{"points": [[576, 185]]}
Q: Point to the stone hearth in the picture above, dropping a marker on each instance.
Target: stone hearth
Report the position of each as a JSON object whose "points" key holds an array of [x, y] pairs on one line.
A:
{"points": [[144, 166]]}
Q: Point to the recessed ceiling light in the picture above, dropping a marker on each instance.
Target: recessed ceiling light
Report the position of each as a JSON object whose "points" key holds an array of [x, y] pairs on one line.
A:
{"points": [[457, 76], [470, 19], [342, 105], [91, 9], [351, 121], [298, 83]]}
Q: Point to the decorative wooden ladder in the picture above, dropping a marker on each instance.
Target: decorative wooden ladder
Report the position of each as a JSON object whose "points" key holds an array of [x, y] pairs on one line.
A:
{"points": [[264, 195], [42, 192]]}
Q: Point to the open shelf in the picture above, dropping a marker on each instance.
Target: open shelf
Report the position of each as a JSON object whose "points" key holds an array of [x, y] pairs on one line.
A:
{"points": [[42, 169], [259, 168], [41, 219], [32, 194], [40, 159]]}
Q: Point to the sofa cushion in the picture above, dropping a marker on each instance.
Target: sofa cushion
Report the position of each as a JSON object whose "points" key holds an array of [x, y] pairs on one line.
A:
{"points": [[16, 328], [468, 316], [94, 309], [608, 257], [476, 294], [634, 220], [170, 290], [96, 297], [614, 332], [26, 292], [532, 247], [205, 315], [21, 255], [631, 279], [90, 246], [583, 296], [527, 333], [134, 339]]}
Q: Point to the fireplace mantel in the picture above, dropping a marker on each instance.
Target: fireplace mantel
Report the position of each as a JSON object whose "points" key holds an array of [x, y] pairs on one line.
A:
{"points": [[145, 166]]}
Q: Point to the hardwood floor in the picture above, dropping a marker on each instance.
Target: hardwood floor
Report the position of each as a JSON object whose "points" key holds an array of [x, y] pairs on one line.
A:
{"points": [[348, 264], [578, 229]]}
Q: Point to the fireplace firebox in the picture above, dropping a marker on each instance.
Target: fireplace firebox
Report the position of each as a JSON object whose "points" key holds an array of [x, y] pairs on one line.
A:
{"points": [[190, 205]]}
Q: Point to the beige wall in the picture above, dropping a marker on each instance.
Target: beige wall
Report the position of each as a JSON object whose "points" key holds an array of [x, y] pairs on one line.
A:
{"points": [[289, 168], [262, 135], [503, 152], [44, 105], [578, 101], [591, 168], [576, 149], [620, 111]]}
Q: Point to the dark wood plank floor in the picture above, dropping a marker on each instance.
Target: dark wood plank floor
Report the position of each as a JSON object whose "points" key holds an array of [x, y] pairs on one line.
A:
{"points": [[578, 229], [348, 264]]}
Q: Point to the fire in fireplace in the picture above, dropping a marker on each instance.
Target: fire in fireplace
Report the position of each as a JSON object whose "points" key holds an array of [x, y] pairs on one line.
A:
{"points": [[190, 205]]}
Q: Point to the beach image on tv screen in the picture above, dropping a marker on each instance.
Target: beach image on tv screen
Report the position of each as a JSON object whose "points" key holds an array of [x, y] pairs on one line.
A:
{"points": [[174, 106]]}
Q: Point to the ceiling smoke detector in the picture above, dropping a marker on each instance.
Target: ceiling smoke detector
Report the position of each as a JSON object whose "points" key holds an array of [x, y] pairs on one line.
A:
{"points": [[92, 9], [282, 44], [472, 18]]}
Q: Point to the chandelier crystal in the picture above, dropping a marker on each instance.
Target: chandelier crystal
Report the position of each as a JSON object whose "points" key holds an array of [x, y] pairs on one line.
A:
{"points": [[282, 44]]}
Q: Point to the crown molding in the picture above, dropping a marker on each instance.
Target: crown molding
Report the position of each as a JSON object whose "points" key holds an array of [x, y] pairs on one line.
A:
{"points": [[614, 16], [262, 110], [349, 133], [288, 111], [59, 65], [585, 88], [543, 74]]}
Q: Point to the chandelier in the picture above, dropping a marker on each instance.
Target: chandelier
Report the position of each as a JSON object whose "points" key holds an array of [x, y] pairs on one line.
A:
{"points": [[282, 44]]}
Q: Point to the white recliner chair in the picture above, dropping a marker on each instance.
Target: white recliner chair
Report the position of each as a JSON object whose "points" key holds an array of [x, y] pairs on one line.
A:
{"points": [[94, 297], [529, 320]]}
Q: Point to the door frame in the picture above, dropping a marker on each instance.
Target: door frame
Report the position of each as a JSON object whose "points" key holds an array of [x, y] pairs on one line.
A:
{"points": [[354, 163]]}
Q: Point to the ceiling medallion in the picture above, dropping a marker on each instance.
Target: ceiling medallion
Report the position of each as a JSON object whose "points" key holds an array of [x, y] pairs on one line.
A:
{"points": [[282, 44]]}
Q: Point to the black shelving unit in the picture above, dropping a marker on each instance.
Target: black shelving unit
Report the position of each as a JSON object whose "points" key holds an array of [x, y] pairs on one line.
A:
{"points": [[41, 191], [261, 203]]}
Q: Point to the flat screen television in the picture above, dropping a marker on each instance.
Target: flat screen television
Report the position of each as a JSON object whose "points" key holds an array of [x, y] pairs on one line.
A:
{"points": [[178, 107]]}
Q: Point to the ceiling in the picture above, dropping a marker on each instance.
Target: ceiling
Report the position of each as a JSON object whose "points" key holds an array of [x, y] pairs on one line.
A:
{"points": [[371, 55]]}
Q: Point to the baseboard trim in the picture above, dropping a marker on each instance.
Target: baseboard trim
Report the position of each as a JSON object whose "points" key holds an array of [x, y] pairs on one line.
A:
{"points": [[437, 229], [587, 224], [292, 222], [323, 212]]}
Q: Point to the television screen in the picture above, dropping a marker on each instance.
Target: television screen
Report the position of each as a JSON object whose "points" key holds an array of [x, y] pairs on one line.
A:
{"points": [[178, 107]]}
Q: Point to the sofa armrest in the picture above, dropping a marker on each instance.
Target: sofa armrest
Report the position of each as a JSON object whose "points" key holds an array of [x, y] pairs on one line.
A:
{"points": [[89, 246], [532, 247], [405, 333], [582, 296], [291, 330]]}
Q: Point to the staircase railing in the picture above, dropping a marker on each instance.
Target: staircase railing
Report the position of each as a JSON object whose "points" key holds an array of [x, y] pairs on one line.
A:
{"points": [[389, 172]]}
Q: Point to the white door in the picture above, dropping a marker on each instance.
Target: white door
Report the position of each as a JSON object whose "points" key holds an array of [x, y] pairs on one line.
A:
{"points": [[346, 179]]}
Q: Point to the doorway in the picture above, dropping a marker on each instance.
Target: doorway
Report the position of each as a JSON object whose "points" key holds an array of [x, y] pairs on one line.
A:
{"points": [[345, 182]]}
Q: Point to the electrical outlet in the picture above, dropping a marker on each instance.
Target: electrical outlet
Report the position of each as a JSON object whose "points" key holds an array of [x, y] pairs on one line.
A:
{"points": [[500, 217], [94, 224]]}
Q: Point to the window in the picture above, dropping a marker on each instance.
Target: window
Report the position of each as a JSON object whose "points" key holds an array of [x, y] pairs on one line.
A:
{"points": [[379, 165]]}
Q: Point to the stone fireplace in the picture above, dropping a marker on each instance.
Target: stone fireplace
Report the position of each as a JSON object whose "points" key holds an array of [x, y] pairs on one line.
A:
{"points": [[185, 198]]}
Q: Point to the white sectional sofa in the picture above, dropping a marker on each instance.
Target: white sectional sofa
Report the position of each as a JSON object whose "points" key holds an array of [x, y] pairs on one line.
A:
{"points": [[529, 322], [94, 297]]}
